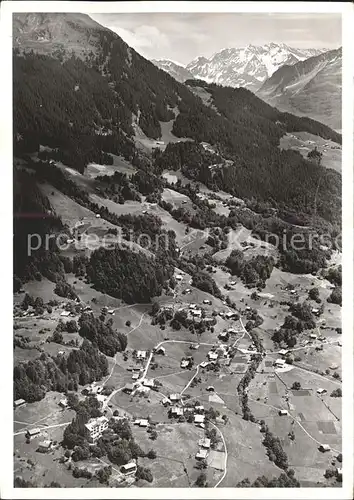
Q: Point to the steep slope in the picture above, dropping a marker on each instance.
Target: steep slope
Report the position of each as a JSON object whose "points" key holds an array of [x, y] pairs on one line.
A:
{"points": [[312, 87], [178, 72], [86, 109], [247, 67]]}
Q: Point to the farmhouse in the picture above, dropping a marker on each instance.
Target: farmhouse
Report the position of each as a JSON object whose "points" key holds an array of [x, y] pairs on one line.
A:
{"points": [[129, 468], [321, 391], [19, 402], [213, 356], [177, 411], [207, 301], [283, 352], [65, 313], [149, 382], [141, 354], [95, 428], [199, 408], [202, 454], [196, 313], [63, 403], [33, 432], [230, 315], [210, 388], [185, 363], [283, 412], [204, 364], [143, 423], [199, 419], [223, 336], [280, 362], [179, 277], [166, 402], [175, 397], [204, 443], [45, 446], [324, 447], [192, 306], [194, 346], [161, 350], [128, 388], [313, 336], [111, 311]]}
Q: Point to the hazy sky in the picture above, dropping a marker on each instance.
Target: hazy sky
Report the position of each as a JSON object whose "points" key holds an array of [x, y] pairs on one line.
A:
{"points": [[182, 37]]}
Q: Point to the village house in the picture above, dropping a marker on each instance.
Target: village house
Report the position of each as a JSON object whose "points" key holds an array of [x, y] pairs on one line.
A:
{"points": [[95, 427], [166, 402], [321, 391], [185, 363], [65, 313], [128, 388], [135, 376], [129, 468], [213, 356], [149, 382], [324, 447], [196, 313], [63, 403], [203, 364], [33, 432], [223, 336], [179, 277], [202, 454], [19, 402], [194, 347], [313, 336], [283, 352], [207, 302], [175, 397], [161, 350], [111, 311], [283, 412], [280, 363], [210, 388], [144, 423], [199, 419], [199, 408], [204, 443], [45, 446], [192, 306], [177, 411], [141, 354]]}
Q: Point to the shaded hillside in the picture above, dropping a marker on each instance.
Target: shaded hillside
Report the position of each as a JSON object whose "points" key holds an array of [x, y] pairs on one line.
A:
{"points": [[312, 87]]}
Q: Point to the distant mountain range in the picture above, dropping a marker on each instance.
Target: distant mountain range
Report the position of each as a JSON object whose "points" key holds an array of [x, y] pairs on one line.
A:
{"points": [[179, 72], [245, 67], [312, 87]]}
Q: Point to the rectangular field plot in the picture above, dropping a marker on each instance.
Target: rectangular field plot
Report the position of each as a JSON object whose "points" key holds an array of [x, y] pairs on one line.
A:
{"points": [[327, 427]]}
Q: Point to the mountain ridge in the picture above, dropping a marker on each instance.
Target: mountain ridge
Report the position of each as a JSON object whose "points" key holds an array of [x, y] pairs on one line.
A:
{"points": [[311, 87]]}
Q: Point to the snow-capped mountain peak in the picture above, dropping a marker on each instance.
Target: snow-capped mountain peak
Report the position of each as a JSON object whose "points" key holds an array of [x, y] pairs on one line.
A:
{"points": [[247, 66]]}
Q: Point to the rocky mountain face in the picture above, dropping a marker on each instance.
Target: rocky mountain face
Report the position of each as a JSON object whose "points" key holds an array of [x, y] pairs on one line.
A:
{"points": [[249, 66], [177, 71], [48, 33], [312, 87]]}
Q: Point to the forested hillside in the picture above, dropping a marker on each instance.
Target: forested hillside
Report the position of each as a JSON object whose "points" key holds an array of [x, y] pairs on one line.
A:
{"points": [[89, 104]]}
